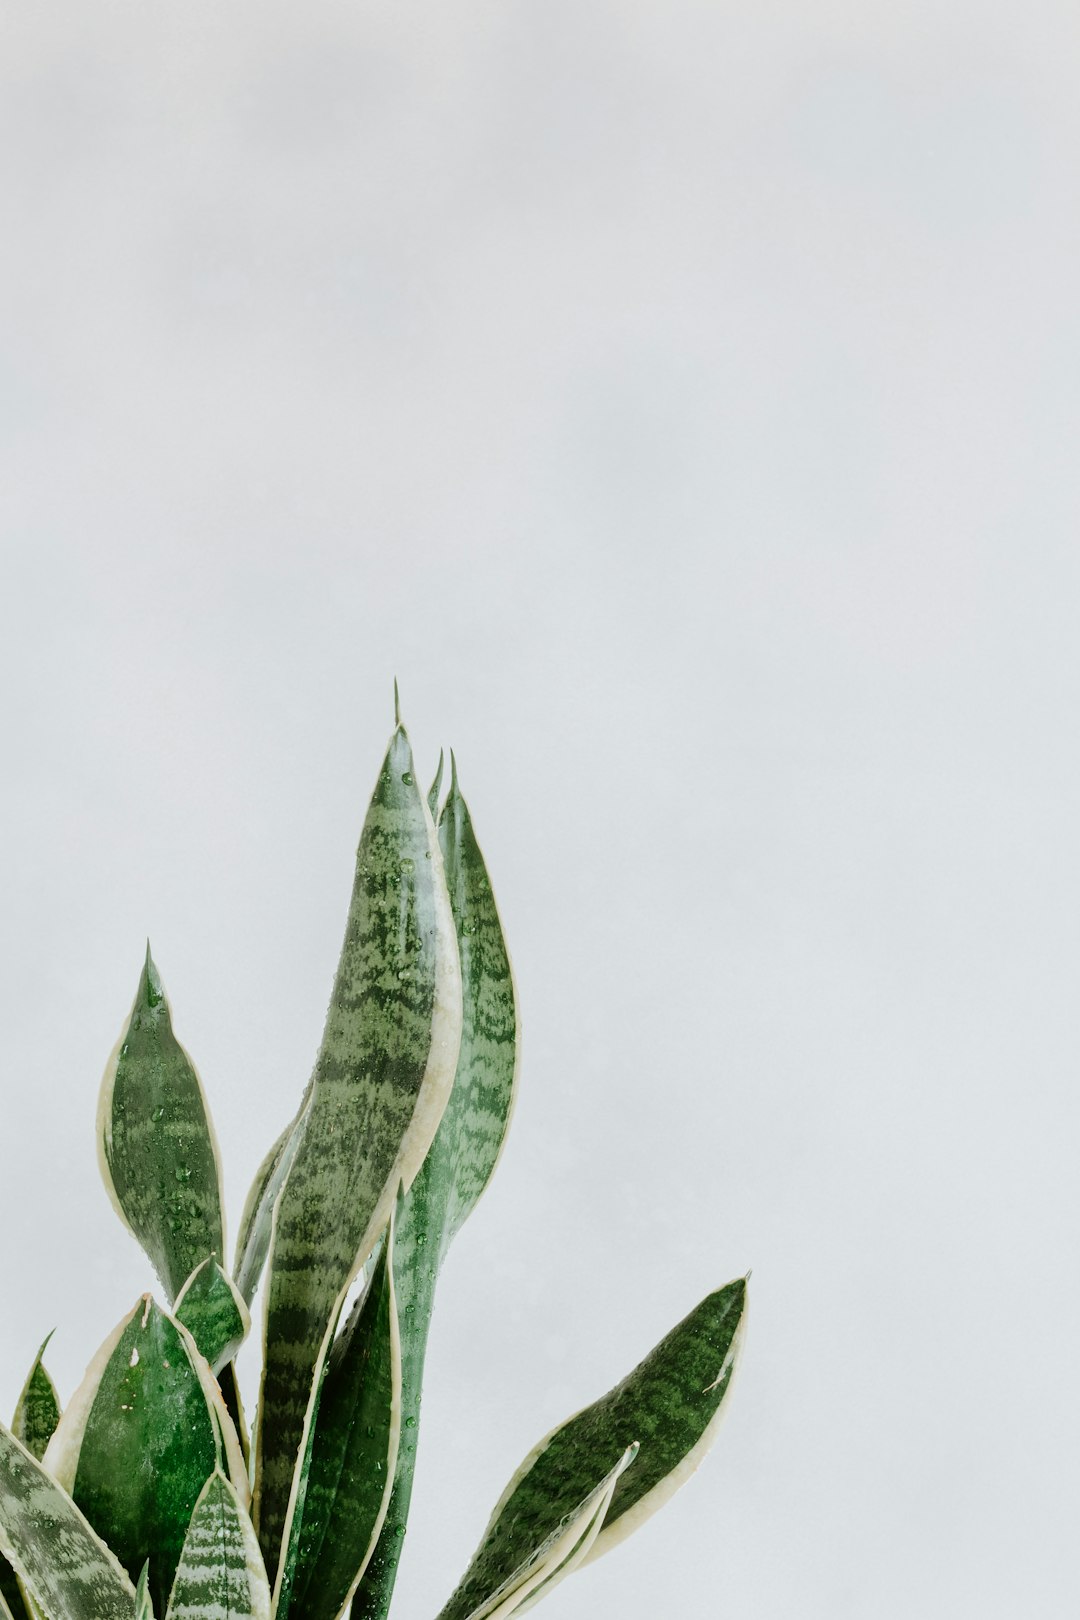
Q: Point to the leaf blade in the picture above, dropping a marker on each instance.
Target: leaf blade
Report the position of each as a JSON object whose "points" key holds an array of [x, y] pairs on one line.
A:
{"points": [[156, 1144], [38, 1409], [220, 1574]]}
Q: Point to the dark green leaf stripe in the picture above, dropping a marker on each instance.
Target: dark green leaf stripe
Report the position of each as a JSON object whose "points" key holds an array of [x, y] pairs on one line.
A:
{"points": [[462, 1158], [352, 1460], [140, 1438], [38, 1410], [158, 1155], [67, 1569], [220, 1575], [507, 1576], [670, 1404], [253, 1239], [214, 1314], [380, 1085]]}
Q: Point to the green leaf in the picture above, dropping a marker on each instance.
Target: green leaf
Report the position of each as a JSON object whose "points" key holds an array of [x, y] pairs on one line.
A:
{"points": [[462, 1157], [433, 790], [159, 1158], [220, 1575], [253, 1239], [379, 1088], [38, 1410], [670, 1404], [496, 1586], [68, 1571], [144, 1609], [351, 1469], [142, 1434], [214, 1314]]}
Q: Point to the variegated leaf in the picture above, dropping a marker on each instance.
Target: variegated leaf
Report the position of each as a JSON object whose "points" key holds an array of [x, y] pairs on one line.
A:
{"points": [[38, 1410], [220, 1575], [158, 1154], [253, 1239], [351, 1466], [68, 1571], [144, 1609], [214, 1314], [462, 1157], [142, 1434], [380, 1085], [505, 1578], [670, 1404]]}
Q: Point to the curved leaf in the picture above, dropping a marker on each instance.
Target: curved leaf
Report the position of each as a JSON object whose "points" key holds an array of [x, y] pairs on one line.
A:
{"points": [[462, 1158], [144, 1609], [670, 1404], [380, 1085], [220, 1575], [253, 1238], [141, 1436], [352, 1459], [214, 1314], [68, 1571], [156, 1144], [38, 1410], [508, 1576]]}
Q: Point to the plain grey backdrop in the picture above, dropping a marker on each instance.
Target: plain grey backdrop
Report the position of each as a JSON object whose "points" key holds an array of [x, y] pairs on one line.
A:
{"points": [[682, 400]]}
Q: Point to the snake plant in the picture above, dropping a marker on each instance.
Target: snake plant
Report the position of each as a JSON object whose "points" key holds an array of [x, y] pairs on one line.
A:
{"points": [[146, 1496]]}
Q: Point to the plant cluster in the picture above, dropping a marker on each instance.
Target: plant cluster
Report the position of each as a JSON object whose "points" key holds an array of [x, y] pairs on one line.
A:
{"points": [[146, 1496]]}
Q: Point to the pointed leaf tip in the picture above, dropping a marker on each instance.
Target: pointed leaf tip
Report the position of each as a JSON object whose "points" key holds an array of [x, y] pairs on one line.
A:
{"points": [[455, 791], [435, 788], [397, 704]]}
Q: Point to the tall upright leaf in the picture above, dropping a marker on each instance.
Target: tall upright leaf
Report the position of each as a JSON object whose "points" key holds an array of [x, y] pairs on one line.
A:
{"points": [[67, 1569], [156, 1143], [214, 1313], [670, 1405], [253, 1238], [380, 1084], [354, 1451], [220, 1575], [37, 1411], [142, 1434], [462, 1157]]}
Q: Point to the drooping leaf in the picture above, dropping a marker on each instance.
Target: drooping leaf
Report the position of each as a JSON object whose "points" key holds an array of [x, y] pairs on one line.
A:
{"points": [[158, 1154], [253, 1239], [67, 1569], [144, 1609], [38, 1410], [220, 1575], [214, 1314], [142, 1434], [354, 1450], [506, 1578], [461, 1160], [379, 1088], [670, 1404]]}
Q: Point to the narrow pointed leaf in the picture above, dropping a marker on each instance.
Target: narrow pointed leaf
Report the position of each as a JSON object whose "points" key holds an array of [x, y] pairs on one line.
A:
{"points": [[462, 1157], [214, 1314], [670, 1404], [38, 1410], [68, 1571], [351, 1470], [234, 1405], [380, 1084], [144, 1609], [143, 1433], [159, 1158], [434, 789], [516, 1562], [253, 1239], [220, 1575]]}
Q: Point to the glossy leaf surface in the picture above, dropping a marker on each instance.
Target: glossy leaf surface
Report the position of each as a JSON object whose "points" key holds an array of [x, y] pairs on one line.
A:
{"points": [[38, 1410], [462, 1157], [380, 1085], [351, 1467], [156, 1143], [140, 1438], [67, 1569], [220, 1575], [214, 1314], [669, 1405]]}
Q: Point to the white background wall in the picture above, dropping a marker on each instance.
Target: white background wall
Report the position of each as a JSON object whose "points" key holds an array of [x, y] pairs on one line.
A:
{"points": [[682, 400]]}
